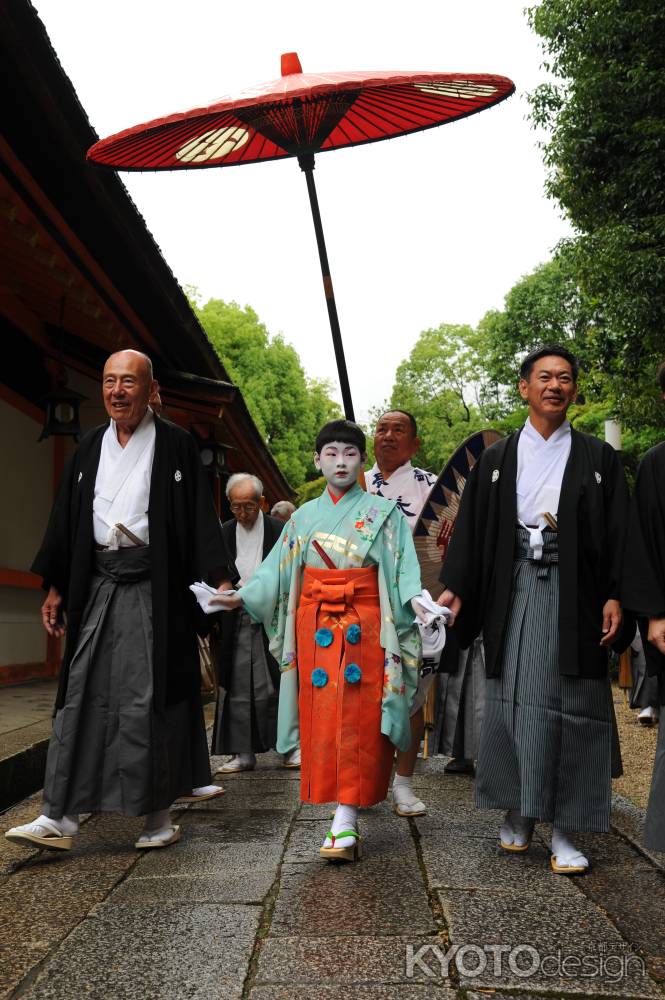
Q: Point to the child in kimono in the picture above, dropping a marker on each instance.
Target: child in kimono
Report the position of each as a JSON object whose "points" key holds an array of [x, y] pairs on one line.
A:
{"points": [[337, 600]]}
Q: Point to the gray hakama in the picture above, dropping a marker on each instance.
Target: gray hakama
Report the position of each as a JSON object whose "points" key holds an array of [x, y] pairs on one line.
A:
{"points": [[654, 827], [461, 705], [111, 750], [249, 710], [546, 741], [645, 690]]}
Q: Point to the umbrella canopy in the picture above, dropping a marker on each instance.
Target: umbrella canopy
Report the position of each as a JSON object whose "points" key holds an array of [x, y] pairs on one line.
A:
{"points": [[301, 113]]}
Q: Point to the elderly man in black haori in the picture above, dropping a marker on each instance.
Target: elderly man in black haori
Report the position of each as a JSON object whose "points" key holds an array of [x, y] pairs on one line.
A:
{"points": [[132, 526], [644, 593], [246, 715], [534, 562]]}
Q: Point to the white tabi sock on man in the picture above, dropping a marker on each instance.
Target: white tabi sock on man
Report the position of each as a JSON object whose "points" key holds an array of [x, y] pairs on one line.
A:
{"points": [[516, 831], [565, 856], [68, 825], [405, 799], [158, 831]]}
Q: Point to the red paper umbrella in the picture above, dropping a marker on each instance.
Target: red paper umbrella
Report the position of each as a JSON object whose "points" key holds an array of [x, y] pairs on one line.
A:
{"points": [[299, 115]]}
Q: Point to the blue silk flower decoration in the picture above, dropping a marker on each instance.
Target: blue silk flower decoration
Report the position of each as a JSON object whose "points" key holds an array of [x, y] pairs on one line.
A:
{"points": [[352, 673], [353, 634], [323, 637]]}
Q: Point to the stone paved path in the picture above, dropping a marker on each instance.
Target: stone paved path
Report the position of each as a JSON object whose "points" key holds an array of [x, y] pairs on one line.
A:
{"points": [[242, 907]]}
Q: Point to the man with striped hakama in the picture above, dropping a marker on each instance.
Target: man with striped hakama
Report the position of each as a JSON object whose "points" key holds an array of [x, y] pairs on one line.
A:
{"points": [[534, 562], [644, 593], [337, 598], [246, 710], [132, 526]]}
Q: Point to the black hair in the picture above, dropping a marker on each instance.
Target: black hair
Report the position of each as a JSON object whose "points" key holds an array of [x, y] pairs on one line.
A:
{"points": [[341, 430], [545, 351], [410, 417]]}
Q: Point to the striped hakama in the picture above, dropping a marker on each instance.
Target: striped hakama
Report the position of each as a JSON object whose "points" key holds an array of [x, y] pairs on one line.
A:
{"points": [[461, 704], [248, 709], [654, 827], [111, 750], [546, 741]]}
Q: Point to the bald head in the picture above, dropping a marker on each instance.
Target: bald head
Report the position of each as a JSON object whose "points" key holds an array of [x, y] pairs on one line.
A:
{"points": [[135, 354]]}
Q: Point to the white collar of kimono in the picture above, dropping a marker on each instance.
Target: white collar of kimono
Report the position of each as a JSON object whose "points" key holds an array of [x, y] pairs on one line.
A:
{"points": [[541, 463], [249, 549], [122, 486]]}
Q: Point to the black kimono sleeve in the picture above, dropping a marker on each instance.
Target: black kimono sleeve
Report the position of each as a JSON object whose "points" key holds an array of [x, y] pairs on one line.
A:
{"points": [[53, 560], [616, 515], [462, 563]]}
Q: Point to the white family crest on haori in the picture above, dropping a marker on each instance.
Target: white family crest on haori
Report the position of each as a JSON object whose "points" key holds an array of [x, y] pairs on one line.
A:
{"points": [[599, 478], [495, 475], [177, 475]]}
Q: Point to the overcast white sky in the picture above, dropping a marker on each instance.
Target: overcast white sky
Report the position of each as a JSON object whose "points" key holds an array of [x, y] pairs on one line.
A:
{"points": [[426, 229]]}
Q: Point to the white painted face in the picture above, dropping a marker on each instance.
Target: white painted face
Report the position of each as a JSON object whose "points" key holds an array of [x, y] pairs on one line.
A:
{"points": [[340, 463]]}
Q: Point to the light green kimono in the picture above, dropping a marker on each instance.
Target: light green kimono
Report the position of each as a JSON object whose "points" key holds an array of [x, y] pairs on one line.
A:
{"points": [[359, 530]]}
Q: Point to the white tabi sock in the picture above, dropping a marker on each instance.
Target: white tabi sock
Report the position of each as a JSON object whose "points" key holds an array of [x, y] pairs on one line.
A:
{"points": [[67, 825], [205, 789], [565, 852], [516, 829], [345, 818], [404, 795]]}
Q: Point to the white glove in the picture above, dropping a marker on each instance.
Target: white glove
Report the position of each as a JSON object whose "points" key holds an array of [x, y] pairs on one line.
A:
{"points": [[203, 592]]}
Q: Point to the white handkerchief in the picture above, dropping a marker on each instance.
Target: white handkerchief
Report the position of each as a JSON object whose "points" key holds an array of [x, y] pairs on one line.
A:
{"points": [[432, 609], [203, 592]]}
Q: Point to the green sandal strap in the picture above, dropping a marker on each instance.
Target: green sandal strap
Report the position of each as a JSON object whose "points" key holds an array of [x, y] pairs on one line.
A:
{"points": [[343, 833]]}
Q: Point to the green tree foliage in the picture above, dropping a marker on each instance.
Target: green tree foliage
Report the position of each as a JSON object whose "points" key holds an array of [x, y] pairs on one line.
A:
{"points": [[310, 491], [546, 306], [605, 110], [287, 407], [443, 384]]}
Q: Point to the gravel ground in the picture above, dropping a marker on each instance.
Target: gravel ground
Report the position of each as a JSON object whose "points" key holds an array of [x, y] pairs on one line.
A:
{"points": [[638, 748]]}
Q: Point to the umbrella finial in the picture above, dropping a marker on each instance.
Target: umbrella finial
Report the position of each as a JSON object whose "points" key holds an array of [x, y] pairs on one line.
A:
{"points": [[290, 63]]}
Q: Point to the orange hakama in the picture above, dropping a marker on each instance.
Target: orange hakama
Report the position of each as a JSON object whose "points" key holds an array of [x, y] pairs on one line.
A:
{"points": [[345, 756]]}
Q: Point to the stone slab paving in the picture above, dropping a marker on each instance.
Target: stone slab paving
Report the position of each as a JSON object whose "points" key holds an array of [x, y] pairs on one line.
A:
{"points": [[243, 907], [142, 952]]}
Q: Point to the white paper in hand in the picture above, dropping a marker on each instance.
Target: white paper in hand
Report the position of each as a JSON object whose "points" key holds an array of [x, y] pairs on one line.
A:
{"points": [[432, 609], [433, 627], [203, 592]]}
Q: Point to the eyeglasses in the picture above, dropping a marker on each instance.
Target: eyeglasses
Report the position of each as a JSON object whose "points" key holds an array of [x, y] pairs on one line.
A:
{"points": [[249, 508]]}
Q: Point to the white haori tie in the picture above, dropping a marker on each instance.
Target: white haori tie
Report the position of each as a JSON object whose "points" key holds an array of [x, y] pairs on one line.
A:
{"points": [[249, 549], [541, 464], [122, 486], [408, 486]]}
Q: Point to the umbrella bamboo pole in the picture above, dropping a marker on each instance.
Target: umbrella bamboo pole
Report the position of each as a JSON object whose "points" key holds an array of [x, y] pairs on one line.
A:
{"points": [[306, 161]]}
